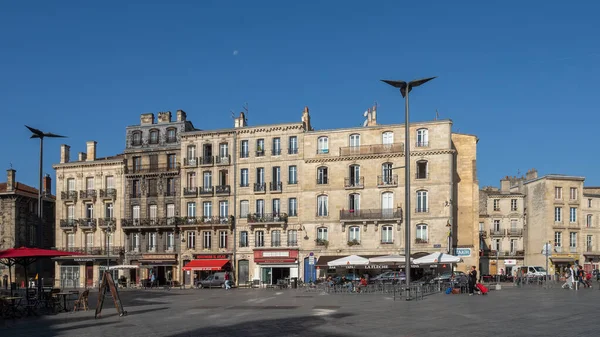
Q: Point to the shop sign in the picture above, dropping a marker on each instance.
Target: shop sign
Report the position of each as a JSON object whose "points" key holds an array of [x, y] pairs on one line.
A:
{"points": [[275, 254], [212, 257], [510, 262], [159, 256], [83, 260], [275, 260], [463, 251]]}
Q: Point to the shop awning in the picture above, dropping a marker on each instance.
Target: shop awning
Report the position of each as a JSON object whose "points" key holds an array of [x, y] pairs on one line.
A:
{"points": [[205, 265], [323, 259], [562, 259]]}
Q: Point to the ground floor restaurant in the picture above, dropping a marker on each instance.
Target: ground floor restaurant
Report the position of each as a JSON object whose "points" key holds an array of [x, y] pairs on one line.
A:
{"points": [[82, 271], [492, 266], [163, 266], [204, 265], [271, 267]]}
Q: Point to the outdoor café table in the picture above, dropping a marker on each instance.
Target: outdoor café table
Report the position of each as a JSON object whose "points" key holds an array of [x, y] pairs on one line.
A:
{"points": [[15, 301], [64, 296]]}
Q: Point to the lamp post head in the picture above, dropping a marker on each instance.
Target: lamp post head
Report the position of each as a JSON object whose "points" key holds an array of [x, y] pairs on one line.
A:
{"points": [[407, 87]]}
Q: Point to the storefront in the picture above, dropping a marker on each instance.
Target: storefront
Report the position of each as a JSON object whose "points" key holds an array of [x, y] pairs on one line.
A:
{"points": [[82, 271], [273, 266], [163, 266], [204, 265], [560, 264], [592, 262]]}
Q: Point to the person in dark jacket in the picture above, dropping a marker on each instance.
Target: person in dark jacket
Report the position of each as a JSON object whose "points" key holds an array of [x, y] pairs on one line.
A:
{"points": [[472, 280]]}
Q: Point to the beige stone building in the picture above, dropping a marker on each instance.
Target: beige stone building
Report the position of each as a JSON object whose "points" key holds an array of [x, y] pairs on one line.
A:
{"points": [[90, 199]]}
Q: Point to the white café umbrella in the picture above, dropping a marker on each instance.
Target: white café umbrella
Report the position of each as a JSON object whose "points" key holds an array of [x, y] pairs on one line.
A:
{"points": [[354, 260], [393, 258], [437, 258]]}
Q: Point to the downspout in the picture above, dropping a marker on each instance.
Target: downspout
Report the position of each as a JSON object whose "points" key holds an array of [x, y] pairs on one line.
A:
{"points": [[233, 224]]}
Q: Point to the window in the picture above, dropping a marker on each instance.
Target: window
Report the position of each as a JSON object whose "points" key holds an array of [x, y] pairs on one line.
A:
{"points": [[244, 177], [153, 213], [223, 210], [153, 159], [89, 183], [108, 210], [171, 162], [588, 222], [276, 238], [354, 178], [276, 176], [170, 214], [89, 211], [557, 214], [589, 243], [558, 240], [135, 242], [387, 138], [276, 149], [244, 149], [206, 240], [387, 204], [191, 155], [137, 164], [354, 234], [590, 203], [191, 240], [292, 174], [170, 244], [573, 214], [496, 245], [171, 135], [292, 207], [207, 210], [170, 187], [135, 210], [244, 208], [422, 202], [322, 145], [573, 194], [222, 239], [387, 234], [322, 176], [422, 235], [191, 209], [322, 206], [322, 235], [421, 169], [513, 204], [224, 153], [292, 238], [191, 180], [572, 240], [260, 176], [109, 182], [152, 242], [293, 145], [260, 147], [259, 239], [513, 247], [153, 136], [496, 228], [89, 241], [422, 137], [70, 184], [244, 239], [207, 180], [513, 225], [136, 138], [354, 140], [481, 227], [386, 175], [70, 241], [276, 206], [496, 204], [354, 202], [558, 193], [260, 207]]}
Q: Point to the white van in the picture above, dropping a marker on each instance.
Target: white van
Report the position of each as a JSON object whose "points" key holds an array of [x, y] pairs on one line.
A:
{"points": [[531, 271]]}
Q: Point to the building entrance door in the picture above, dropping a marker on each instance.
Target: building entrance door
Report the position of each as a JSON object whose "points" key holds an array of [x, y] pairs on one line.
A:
{"points": [[89, 275]]}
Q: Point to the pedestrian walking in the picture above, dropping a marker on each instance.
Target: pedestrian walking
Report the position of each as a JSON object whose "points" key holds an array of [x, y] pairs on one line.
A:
{"points": [[227, 281], [569, 277], [472, 280]]}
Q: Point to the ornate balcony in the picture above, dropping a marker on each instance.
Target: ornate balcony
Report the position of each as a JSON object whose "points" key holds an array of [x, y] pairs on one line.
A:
{"points": [[292, 150], [206, 161], [222, 189], [206, 220], [87, 223], [69, 196], [387, 181], [276, 152], [190, 191], [260, 188], [135, 195], [149, 223], [515, 232], [68, 223], [225, 160], [170, 193], [352, 183], [107, 222], [206, 191], [190, 162], [371, 149], [496, 233], [260, 153], [271, 218], [109, 193], [276, 187], [143, 169], [87, 194], [360, 215]]}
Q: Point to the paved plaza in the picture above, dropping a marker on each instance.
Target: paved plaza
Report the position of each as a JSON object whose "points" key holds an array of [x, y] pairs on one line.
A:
{"points": [[260, 312]]}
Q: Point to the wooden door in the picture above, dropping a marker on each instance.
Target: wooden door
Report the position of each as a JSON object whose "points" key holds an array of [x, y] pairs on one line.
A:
{"points": [[89, 276]]}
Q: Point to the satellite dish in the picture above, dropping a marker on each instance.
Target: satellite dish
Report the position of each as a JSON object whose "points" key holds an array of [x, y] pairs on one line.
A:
{"points": [[365, 123], [366, 113]]}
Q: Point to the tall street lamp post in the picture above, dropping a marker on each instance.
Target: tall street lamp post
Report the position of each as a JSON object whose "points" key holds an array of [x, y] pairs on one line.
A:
{"points": [[405, 89]]}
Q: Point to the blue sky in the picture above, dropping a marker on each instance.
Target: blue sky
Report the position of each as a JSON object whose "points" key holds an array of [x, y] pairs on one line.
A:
{"points": [[520, 75]]}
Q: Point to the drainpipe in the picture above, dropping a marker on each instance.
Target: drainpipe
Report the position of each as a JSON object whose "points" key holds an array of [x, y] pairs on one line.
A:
{"points": [[234, 205]]}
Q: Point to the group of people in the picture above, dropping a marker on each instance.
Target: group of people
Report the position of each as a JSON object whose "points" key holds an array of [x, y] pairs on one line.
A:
{"points": [[575, 275]]}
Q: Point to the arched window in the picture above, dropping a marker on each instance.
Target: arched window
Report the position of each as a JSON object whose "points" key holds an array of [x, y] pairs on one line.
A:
{"points": [[354, 202], [589, 221], [323, 145], [354, 140], [136, 138], [354, 179], [422, 202], [422, 234], [422, 137], [322, 175], [153, 136], [387, 178], [171, 135], [322, 205], [422, 169]]}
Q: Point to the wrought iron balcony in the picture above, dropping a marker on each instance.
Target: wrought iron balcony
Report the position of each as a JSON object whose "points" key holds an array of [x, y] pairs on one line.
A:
{"points": [[69, 196], [156, 222], [222, 189], [259, 188], [190, 162], [88, 223], [68, 223], [267, 218], [109, 193], [260, 153], [207, 220], [276, 243], [421, 240], [106, 222], [350, 183], [276, 152], [207, 160], [422, 210], [206, 190], [387, 181], [371, 149], [275, 186], [515, 232], [190, 191], [141, 169], [223, 160], [371, 214], [87, 194], [292, 243], [292, 150], [498, 232], [135, 195], [322, 151], [422, 144], [170, 193]]}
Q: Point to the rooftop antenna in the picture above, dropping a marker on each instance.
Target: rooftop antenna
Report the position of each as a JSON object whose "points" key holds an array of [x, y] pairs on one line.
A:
{"points": [[245, 107], [11, 166], [437, 115], [366, 114]]}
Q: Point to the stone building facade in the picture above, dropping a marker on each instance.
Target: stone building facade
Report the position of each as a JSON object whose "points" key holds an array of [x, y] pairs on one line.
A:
{"points": [[19, 222], [90, 191]]}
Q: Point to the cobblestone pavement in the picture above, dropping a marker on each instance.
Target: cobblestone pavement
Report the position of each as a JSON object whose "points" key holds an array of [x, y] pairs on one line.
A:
{"points": [[253, 312]]}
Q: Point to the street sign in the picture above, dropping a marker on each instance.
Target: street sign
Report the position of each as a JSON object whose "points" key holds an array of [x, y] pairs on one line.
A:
{"points": [[311, 254], [547, 250], [463, 251], [311, 260]]}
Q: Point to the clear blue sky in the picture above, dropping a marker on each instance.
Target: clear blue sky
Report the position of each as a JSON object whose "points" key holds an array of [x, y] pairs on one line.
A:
{"points": [[521, 75]]}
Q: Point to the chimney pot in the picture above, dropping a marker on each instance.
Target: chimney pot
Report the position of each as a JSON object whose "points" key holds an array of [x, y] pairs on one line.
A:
{"points": [[82, 156], [11, 182], [146, 119], [181, 116], [65, 153], [47, 185], [164, 117], [91, 150]]}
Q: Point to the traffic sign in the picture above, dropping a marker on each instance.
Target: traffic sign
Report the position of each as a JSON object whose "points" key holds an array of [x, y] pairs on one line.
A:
{"points": [[547, 250], [311, 260], [311, 254]]}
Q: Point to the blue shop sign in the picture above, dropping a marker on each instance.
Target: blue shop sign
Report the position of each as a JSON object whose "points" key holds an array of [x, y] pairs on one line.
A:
{"points": [[463, 251]]}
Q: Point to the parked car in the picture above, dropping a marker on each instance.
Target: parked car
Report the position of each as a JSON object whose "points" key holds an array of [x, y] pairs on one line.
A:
{"points": [[216, 280], [389, 276], [447, 276]]}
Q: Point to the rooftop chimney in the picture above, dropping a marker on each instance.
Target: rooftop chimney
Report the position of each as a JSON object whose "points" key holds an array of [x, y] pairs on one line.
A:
{"points": [[146, 119], [65, 153], [531, 174], [240, 122], [306, 119], [164, 117], [181, 116], [91, 150], [11, 182], [47, 185], [82, 156], [505, 185]]}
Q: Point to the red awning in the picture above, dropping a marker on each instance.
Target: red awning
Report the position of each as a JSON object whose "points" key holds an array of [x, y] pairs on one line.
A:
{"points": [[205, 265]]}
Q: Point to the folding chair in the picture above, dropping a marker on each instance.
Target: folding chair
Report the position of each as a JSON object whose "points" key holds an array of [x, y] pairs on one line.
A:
{"points": [[82, 301]]}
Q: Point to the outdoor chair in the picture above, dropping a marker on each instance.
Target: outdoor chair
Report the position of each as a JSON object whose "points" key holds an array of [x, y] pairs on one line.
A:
{"points": [[82, 301]]}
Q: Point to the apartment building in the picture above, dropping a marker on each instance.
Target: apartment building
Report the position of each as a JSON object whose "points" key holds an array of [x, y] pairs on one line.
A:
{"points": [[90, 191]]}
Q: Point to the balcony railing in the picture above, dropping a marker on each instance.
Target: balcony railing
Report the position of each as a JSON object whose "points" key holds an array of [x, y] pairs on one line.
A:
{"points": [[87, 223], [190, 162], [260, 153], [371, 214], [292, 150], [268, 218], [69, 195], [105, 222], [275, 186], [139, 169], [497, 232], [223, 160], [515, 232], [322, 181], [260, 187], [371, 149], [422, 210], [420, 240], [276, 152], [68, 223], [322, 151], [206, 190], [207, 220], [421, 144], [114, 250], [275, 243], [388, 180], [206, 160], [87, 194], [350, 183], [190, 191], [156, 222], [109, 193], [170, 193], [223, 189], [292, 243]]}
